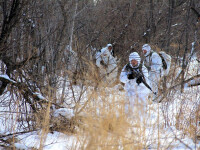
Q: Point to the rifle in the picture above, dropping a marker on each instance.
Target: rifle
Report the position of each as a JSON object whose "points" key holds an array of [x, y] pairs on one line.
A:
{"points": [[141, 75]]}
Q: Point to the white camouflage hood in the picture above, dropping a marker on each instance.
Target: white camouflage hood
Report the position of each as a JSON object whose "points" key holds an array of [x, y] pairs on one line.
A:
{"points": [[109, 45], [134, 56], [146, 47]]}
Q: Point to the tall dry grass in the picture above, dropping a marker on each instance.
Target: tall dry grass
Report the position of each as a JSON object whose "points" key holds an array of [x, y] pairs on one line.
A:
{"points": [[105, 125]]}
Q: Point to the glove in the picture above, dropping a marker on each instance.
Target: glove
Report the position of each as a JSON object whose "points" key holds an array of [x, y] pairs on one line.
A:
{"points": [[139, 80], [103, 64], [130, 76]]}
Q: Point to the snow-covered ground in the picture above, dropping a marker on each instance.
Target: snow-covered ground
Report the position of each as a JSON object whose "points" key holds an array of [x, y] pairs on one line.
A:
{"points": [[54, 141], [159, 131]]}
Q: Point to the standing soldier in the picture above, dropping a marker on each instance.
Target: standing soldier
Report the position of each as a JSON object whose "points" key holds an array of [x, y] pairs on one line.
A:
{"points": [[107, 64], [153, 62]]}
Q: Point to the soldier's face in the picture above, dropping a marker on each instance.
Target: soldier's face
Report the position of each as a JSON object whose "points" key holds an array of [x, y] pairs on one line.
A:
{"points": [[110, 48], [144, 51], [134, 62]]}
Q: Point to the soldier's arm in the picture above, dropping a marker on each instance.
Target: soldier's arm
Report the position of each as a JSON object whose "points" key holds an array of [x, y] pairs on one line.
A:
{"points": [[123, 75]]}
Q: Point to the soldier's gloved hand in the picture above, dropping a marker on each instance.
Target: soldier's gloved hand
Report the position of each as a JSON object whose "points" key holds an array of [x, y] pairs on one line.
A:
{"points": [[130, 76], [139, 80], [103, 64]]}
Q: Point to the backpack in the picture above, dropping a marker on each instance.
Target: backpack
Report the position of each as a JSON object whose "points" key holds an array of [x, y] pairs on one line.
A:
{"points": [[166, 61]]}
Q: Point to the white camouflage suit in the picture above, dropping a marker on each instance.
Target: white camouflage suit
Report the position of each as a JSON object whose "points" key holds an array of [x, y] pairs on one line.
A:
{"points": [[107, 65], [154, 64], [137, 93]]}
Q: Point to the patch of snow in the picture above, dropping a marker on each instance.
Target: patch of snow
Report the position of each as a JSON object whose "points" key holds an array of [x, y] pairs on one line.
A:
{"points": [[65, 112], [5, 76], [20, 146], [39, 95], [174, 25], [54, 141]]}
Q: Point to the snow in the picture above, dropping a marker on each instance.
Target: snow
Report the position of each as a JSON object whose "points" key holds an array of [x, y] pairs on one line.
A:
{"points": [[61, 141], [68, 113], [155, 132], [5, 76], [20, 146], [39, 95], [54, 141], [192, 50], [174, 25]]}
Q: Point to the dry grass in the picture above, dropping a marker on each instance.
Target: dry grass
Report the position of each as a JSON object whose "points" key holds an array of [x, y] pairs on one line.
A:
{"points": [[106, 126], [100, 121]]}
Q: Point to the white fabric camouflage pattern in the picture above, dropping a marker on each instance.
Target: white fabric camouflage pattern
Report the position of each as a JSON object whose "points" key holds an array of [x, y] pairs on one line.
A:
{"points": [[135, 92], [154, 64], [147, 48], [107, 65], [134, 56]]}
